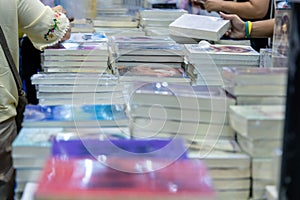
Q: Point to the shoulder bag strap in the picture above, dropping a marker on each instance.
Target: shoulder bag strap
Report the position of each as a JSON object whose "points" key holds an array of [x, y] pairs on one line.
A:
{"points": [[10, 61]]}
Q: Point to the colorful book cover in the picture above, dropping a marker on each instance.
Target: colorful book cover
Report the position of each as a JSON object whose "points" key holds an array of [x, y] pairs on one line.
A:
{"points": [[92, 148], [77, 48], [87, 37], [75, 115], [153, 70], [282, 28], [231, 50], [124, 178]]}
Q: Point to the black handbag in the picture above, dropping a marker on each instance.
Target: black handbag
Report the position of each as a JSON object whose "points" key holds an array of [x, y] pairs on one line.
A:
{"points": [[22, 100]]}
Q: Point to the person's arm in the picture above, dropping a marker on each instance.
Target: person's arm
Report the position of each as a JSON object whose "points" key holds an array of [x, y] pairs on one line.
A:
{"points": [[252, 9], [41, 24], [263, 28], [260, 29]]}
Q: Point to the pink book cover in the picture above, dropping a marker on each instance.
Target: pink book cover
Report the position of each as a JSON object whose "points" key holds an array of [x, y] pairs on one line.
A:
{"points": [[120, 178], [152, 70]]}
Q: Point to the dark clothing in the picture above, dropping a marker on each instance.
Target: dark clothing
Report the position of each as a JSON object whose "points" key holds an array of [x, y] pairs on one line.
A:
{"points": [[30, 65], [258, 43]]}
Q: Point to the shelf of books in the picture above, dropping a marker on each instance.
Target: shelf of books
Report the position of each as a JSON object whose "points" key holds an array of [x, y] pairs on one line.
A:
{"points": [[131, 109]]}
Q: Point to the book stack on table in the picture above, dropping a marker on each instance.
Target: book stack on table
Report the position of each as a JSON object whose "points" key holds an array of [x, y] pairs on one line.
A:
{"points": [[156, 21], [256, 86], [118, 169], [76, 56], [42, 123], [229, 167], [259, 133], [206, 60], [128, 50], [172, 110], [78, 88]]}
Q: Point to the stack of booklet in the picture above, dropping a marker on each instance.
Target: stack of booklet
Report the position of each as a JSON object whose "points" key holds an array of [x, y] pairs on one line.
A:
{"points": [[259, 133], [77, 88], [172, 110], [93, 169], [256, 86], [228, 166], [77, 56], [206, 60], [154, 21], [148, 49], [114, 14], [32, 147], [148, 58], [82, 26]]}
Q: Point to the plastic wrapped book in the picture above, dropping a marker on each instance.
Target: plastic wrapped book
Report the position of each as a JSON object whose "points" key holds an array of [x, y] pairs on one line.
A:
{"points": [[141, 178]]}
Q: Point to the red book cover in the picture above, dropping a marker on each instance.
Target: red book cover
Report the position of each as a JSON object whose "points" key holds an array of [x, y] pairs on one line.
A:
{"points": [[119, 178]]}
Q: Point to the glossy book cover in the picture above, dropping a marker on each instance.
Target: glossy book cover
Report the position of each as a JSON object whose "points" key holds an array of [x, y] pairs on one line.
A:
{"points": [[136, 178], [75, 115], [93, 148]]}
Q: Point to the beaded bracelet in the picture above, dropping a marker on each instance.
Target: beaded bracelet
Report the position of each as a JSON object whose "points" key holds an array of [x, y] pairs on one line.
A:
{"points": [[248, 29]]}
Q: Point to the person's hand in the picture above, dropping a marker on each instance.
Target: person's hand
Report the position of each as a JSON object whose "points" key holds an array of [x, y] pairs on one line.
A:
{"points": [[198, 3], [213, 5], [67, 35], [237, 26], [59, 8]]}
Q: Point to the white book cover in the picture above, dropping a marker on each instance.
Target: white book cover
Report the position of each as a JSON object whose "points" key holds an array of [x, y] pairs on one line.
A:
{"points": [[200, 26]]}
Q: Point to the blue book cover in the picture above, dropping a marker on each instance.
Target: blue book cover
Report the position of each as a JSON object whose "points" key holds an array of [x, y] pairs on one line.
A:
{"points": [[74, 115], [93, 148]]}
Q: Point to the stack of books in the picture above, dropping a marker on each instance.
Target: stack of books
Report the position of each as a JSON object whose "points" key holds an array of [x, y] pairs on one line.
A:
{"points": [[148, 58], [114, 14], [259, 133], [32, 147], [30, 150], [172, 110], [199, 27], [206, 60], [160, 4], [82, 26], [229, 167], [155, 21], [147, 49], [77, 88], [256, 86], [76, 56]]}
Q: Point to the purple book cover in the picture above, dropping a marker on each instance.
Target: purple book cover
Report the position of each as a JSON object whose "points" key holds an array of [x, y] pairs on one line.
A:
{"points": [[93, 148]]}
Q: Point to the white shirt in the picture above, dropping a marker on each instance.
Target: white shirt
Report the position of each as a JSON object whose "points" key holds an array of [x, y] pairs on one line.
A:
{"points": [[41, 24]]}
